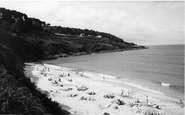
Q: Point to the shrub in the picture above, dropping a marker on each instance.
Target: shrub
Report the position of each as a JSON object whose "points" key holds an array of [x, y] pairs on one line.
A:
{"points": [[19, 96]]}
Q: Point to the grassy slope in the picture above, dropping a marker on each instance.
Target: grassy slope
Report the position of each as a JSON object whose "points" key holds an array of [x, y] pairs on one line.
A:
{"points": [[56, 44]]}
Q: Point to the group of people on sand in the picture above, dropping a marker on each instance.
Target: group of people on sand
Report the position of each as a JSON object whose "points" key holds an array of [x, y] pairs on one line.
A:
{"points": [[124, 93], [80, 73], [47, 69], [43, 71]]}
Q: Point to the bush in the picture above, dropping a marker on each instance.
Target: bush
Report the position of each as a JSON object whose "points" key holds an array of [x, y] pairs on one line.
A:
{"points": [[16, 100], [19, 96]]}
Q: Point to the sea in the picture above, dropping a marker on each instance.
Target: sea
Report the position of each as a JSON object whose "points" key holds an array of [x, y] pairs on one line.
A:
{"points": [[159, 68]]}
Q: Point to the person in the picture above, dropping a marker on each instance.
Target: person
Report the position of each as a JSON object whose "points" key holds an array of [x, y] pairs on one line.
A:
{"points": [[103, 78], [147, 101], [181, 102], [129, 92], [122, 91], [82, 74], [137, 101]]}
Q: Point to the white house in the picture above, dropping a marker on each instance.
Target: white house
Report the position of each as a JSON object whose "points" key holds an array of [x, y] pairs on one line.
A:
{"points": [[99, 36], [82, 35]]}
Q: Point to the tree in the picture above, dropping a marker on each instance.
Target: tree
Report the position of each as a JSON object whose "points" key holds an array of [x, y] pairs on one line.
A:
{"points": [[48, 24], [5, 25], [15, 28]]}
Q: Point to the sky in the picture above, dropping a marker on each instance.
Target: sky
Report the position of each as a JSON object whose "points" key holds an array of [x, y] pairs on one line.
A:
{"points": [[141, 22]]}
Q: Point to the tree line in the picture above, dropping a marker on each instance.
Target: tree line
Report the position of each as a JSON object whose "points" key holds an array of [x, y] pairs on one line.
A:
{"points": [[17, 22]]}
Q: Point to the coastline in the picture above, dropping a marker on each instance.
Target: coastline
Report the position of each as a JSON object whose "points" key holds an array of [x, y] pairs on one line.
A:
{"points": [[64, 90], [62, 55]]}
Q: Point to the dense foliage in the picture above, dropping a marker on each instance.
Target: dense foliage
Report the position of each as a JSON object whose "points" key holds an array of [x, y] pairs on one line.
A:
{"points": [[18, 22], [16, 90], [19, 96]]}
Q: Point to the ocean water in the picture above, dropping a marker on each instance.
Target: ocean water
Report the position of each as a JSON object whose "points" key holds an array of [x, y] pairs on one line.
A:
{"points": [[148, 67]]}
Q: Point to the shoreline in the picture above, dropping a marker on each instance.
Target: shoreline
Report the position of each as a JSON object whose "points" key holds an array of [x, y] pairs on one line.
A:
{"points": [[103, 86], [63, 55]]}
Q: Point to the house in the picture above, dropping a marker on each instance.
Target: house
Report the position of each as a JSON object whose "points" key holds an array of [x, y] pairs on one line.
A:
{"points": [[82, 35], [99, 36]]}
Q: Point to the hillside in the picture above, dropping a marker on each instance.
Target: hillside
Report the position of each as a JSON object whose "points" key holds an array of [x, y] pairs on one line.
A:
{"points": [[24, 39], [60, 41]]}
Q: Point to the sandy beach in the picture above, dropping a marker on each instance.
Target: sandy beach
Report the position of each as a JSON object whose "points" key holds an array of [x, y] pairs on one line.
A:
{"points": [[88, 93]]}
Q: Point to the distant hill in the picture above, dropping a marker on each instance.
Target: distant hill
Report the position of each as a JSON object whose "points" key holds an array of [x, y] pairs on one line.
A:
{"points": [[56, 41]]}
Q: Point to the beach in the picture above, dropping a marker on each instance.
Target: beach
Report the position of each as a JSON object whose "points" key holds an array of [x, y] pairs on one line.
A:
{"points": [[88, 93]]}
